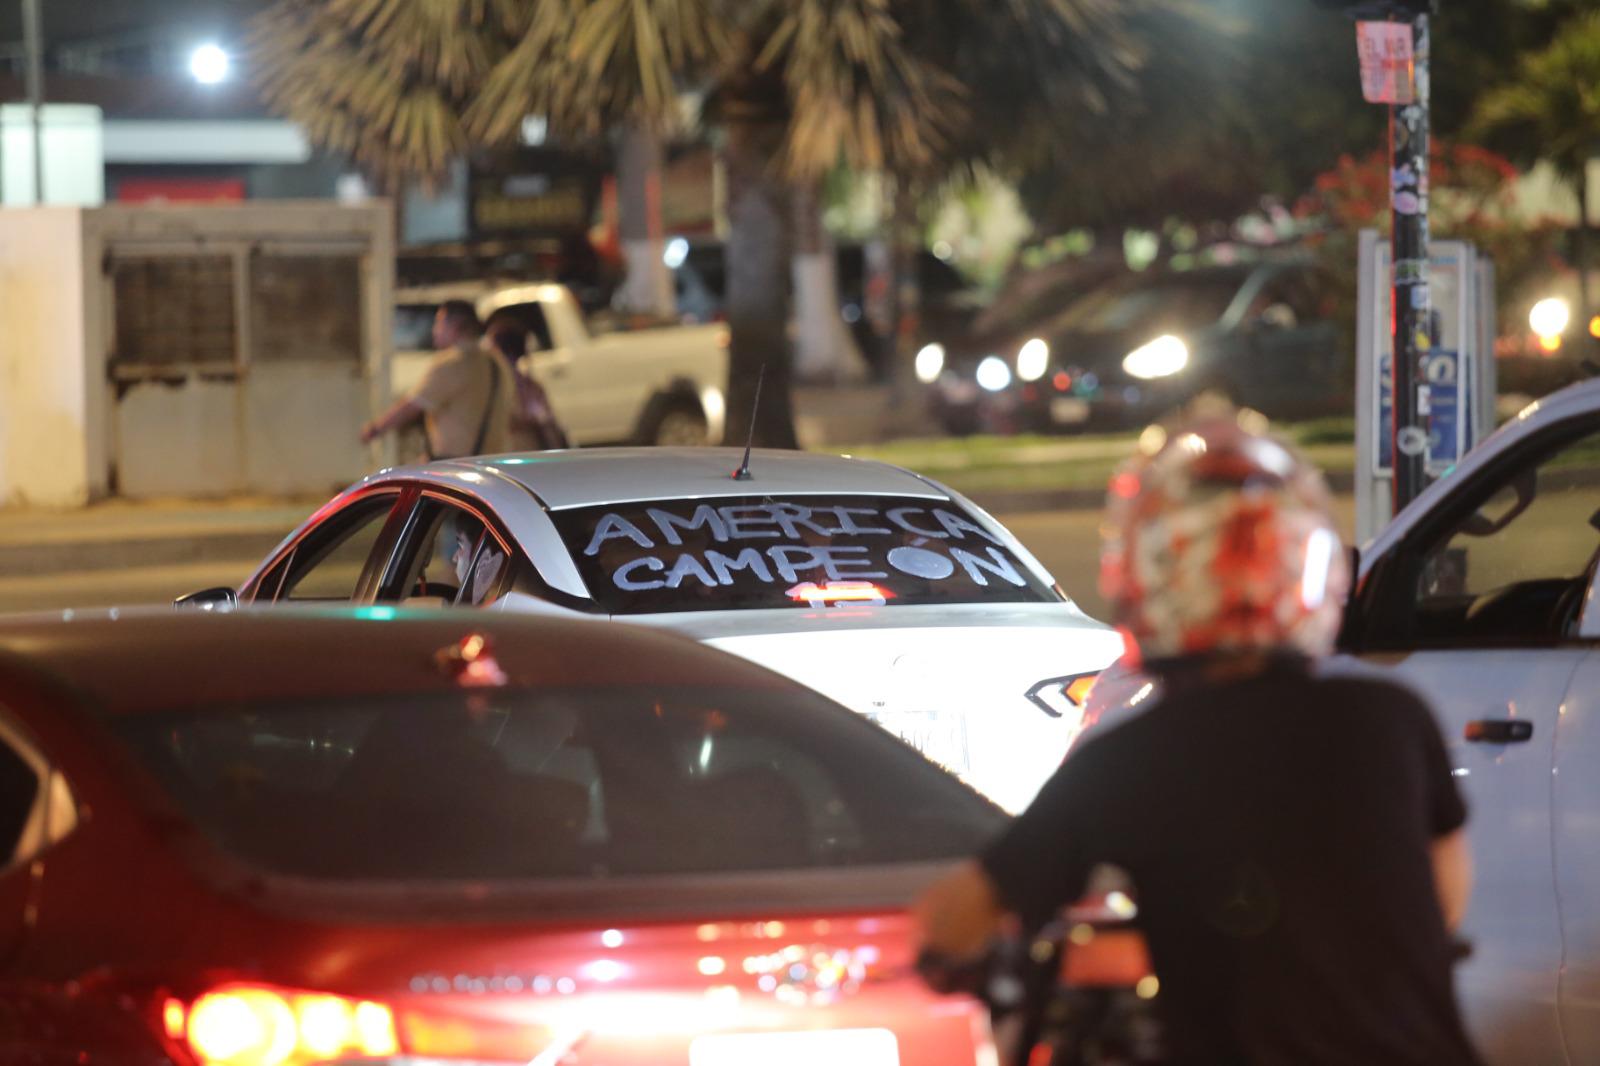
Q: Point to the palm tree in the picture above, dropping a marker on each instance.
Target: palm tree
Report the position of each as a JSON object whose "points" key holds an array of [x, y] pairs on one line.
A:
{"points": [[384, 82], [1551, 111], [791, 88]]}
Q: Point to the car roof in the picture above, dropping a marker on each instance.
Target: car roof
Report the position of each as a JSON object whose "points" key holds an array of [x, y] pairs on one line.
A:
{"points": [[594, 476], [159, 659]]}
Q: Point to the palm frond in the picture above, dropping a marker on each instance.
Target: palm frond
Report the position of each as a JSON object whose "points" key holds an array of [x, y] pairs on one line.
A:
{"points": [[383, 81], [856, 91], [591, 64], [1553, 101]]}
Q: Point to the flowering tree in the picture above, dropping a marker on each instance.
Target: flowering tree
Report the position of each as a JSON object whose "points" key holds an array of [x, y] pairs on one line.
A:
{"points": [[1471, 199]]}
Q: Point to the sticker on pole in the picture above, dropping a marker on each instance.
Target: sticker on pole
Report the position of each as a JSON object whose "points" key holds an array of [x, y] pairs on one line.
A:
{"points": [[1386, 62]]}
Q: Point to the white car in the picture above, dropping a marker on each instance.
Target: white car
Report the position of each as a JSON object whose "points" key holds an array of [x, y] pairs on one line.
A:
{"points": [[650, 386], [879, 588], [1483, 596]]}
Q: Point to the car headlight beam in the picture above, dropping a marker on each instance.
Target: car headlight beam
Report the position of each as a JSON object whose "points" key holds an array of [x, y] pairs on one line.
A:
{"points": [[1033, 359], [930, 363], [1161, 358], [993, 373]]}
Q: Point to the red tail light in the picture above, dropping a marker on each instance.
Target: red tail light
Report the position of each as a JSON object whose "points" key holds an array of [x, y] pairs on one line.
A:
{"points": [[840, 592], [243, 1024]]}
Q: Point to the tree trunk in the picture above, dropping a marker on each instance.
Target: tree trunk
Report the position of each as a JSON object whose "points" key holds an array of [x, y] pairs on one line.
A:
{"points": [[758, 296], [1580, 252], [824, 350], [647, 289], [905, 243]]}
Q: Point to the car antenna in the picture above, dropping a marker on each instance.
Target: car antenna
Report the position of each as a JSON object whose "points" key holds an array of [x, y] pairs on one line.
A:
{"points": [[743, 473]]}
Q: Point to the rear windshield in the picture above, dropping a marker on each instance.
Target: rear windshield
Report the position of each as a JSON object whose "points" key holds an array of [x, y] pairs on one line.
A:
{"points": [[525, 784], [799, 551]]}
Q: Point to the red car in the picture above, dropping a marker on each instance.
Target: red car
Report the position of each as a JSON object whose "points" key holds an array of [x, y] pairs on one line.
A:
{"points": [[295, 838]]}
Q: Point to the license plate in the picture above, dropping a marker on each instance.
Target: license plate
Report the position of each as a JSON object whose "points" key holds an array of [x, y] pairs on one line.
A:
{"points": [[857, 1047], [941, 737], [1069, 410]]}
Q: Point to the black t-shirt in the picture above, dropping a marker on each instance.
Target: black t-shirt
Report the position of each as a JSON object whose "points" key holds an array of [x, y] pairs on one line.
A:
{"points": [[1276, 826]]}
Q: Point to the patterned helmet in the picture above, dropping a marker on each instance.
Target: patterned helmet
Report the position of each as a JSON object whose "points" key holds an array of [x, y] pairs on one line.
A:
{"points": [[1218, 537]]}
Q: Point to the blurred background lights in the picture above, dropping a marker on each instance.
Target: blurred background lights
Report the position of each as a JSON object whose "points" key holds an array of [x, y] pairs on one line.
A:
{"points": [[209, 64], [1550, 317]]}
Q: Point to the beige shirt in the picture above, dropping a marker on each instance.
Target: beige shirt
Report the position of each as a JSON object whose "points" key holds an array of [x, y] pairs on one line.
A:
{"points": [[454, 393]]}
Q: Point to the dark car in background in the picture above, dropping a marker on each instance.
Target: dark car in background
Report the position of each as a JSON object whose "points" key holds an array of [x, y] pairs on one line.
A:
{"points": [[1131, 349], [305, 838]]}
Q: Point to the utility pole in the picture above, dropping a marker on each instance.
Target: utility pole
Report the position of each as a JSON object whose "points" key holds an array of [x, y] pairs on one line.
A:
{"points": [[32, 37], [1409, 254], [1407, 92]]}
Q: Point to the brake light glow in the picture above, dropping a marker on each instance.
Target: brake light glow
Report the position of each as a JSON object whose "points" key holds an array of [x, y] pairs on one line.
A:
{"points": [[477, 1040], [839, 592], [253, 1025]]}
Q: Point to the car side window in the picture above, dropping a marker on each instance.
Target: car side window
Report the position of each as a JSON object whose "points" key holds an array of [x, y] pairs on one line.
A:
{"points": [[530, 316], [19, 788], [452, 559], [37, 808], [1514, 568], [328, 563], [1284, 302]]}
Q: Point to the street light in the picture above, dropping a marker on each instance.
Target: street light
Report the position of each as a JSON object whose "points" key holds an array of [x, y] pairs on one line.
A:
{"points": [[209, 64]]}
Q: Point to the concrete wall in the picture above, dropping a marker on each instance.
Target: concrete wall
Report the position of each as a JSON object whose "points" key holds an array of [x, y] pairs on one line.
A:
{"points": [[75, 426], [45, 432]]}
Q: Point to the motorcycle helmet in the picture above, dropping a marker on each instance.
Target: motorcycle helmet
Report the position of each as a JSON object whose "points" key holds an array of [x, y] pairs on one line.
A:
{"points": [[1218, 538]]}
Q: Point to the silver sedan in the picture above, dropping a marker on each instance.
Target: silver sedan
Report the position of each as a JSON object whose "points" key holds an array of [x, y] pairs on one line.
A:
{"points": [[886, 591]]}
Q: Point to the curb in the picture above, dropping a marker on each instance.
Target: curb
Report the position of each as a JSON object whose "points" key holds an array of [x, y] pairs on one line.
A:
{"points": [[63, 557]]}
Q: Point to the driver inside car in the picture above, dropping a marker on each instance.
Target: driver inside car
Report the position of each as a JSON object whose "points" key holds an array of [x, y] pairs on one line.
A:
{"points": [[448, 563]]}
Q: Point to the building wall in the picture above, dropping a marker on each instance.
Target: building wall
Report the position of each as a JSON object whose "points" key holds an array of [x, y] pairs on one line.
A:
{"points": [[275, 407], [46, 434]]}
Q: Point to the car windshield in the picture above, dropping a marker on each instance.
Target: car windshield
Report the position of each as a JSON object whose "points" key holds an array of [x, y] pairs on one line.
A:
{"points": [[1173, 303], [413, 327], [590, 782], [795, 551]]}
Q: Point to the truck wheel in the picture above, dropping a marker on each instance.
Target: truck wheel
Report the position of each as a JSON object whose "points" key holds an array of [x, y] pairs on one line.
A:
{"points": [[680, 425]]}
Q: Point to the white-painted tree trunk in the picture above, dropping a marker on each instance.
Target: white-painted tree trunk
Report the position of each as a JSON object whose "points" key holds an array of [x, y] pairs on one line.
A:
{"points": [[824, 349], [647, 286]]}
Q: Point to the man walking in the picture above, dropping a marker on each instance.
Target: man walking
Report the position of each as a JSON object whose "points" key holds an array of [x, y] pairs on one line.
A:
{"points": [[465, 397]]}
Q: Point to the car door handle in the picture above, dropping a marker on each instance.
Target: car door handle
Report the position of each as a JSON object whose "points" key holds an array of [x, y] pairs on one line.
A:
{"points": [[1499, 731]]}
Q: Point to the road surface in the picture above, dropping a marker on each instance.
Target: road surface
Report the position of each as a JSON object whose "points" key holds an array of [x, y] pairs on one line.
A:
{"points": [[1066, 542]]}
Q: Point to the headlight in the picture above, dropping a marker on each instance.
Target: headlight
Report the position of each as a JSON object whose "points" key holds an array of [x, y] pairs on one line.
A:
{"points": [[1033, 360], [1161, 358], [930, 363], [1550, 317], [993, 374]]}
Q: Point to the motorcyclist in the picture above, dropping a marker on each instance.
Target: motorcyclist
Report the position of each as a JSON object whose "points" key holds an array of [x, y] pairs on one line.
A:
{"points": [[1294, 838]]}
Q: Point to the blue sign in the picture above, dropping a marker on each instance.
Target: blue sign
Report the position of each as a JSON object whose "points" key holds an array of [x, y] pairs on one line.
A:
{"points": [[1448, 415]]}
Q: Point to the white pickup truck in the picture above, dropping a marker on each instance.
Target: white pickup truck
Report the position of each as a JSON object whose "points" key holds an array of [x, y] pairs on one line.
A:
{"points": [[651, 386]]}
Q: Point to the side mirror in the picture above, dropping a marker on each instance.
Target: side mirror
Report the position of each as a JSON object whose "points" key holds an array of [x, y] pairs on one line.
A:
{"points": [[1349, 639], [221, 598]]}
